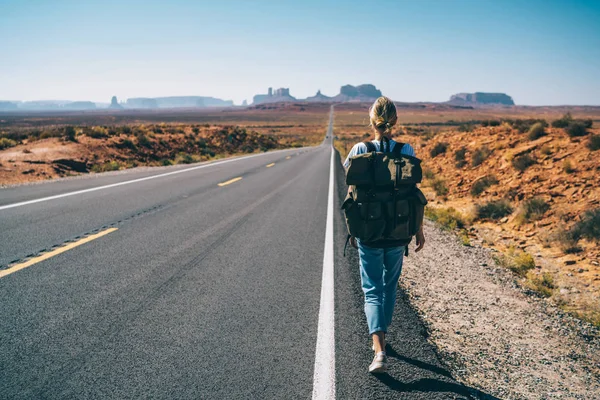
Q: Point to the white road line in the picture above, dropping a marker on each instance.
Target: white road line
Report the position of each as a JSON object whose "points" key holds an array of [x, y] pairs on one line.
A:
{"points": [[324, 374], [58, 196]]}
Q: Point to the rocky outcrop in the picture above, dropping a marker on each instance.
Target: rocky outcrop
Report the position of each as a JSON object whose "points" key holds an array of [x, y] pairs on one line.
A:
{"points": [[141, 102], [277, 96], [319, 97], [349, 93], [481, 99], [114, 104], [360, 90]]}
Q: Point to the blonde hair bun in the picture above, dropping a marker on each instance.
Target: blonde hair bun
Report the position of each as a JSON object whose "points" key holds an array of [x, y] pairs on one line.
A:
{"points": [[383, 112]]}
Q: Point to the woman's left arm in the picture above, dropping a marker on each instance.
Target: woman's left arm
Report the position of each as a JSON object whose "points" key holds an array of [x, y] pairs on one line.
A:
{"points": [[420, 240]]}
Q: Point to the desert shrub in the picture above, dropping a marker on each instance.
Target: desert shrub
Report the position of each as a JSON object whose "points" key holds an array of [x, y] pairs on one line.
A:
{"points": [[144, 141], [448, 218], [196, 130], [107, 166], [96, 134], [546, 150], [6, 143], [426, 135], [460, 156], [166, 161], [34, 135], [465, 128], [428, 173], [157, 129], [491, 122], [208, 152], [533, 209], [439, 148], [536, 131], [480, 155], [543, 283], [576, 129], [589, 226], [493, 210], [126, 144], [568, 241], [184, 158], [523, 162], [126, 130], [594, 143], [482, 184], [519, 262], [69, 134], [524, 125], [562, 122], [568, 166], [439, 187]]}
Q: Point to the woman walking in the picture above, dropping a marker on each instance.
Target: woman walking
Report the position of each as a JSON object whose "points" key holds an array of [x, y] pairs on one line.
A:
{"points": [[381, 261]]}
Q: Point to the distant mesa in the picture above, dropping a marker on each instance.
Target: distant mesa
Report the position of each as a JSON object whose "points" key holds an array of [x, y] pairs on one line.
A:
{"points": [[366, 92], [7, 105], [348, 93], [177, 102], [319, 97], [141, 102], [80, 105], [481, 99], [114, 104], [277, 96]]}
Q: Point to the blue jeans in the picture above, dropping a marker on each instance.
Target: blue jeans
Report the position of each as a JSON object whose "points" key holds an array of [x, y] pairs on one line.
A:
{"points": [[379, 273]]}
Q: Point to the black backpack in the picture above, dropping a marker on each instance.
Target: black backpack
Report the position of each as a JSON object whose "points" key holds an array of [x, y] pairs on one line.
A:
{"points": [[384, 203]]}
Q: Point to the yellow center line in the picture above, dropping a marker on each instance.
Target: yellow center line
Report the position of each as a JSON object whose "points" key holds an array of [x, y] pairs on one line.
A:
{"points": [[230, 181], [55, 252], [270, 165], [288, 157]]}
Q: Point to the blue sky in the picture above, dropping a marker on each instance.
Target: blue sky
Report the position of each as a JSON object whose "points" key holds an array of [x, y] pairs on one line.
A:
{"points": [[538, 51]]}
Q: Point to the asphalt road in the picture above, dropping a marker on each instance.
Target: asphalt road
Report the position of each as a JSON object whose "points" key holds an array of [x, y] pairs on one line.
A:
{"points": [[203, 291]]}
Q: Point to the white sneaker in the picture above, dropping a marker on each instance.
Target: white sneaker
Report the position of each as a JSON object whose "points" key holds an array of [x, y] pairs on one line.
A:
{"points": [[379, 364]]}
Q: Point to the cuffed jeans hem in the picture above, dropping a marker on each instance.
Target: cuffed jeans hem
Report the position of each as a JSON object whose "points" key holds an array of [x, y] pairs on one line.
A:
{"points": [[374, 330]]}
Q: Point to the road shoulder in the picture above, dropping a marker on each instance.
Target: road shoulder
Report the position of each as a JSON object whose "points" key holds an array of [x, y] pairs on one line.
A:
{"points": [[491, 333]]}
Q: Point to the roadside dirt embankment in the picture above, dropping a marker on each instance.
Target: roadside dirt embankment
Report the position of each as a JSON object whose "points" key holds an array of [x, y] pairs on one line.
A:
{"points": [[34, 155], [493, 335], [528, 189]]}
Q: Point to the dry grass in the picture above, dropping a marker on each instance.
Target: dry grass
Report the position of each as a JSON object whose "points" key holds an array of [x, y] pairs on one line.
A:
{"points": [[520, 262]]}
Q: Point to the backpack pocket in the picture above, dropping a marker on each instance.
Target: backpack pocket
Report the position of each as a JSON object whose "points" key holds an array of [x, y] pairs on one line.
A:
{"points": [[401, 220], [373, 219], [419, 202], [364, 220], [353, 219]]}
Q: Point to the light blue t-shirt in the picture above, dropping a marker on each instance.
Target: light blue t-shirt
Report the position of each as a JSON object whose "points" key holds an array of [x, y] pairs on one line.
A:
{"points": [[361, 148]]}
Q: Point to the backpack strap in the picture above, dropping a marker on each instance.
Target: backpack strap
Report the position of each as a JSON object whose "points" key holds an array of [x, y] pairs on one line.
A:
{"points": [[398, 149], [370, 147]]}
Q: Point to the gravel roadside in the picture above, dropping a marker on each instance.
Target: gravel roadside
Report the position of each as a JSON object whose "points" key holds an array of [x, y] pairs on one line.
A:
{"points": [[491, 333]]}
